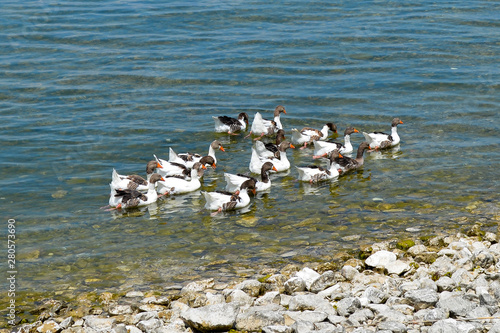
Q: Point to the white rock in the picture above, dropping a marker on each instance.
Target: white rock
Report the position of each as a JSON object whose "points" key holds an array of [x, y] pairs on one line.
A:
{"points": [[135, 294], [397, 267], [310, 316], [120, 309], [295, 284], [308, 275], [381, 258], [217, 317], [269, 298], [132, 329], [329, 291], [198, 286], [240, 297], [215, 298], [457, 246], [416, 250]]}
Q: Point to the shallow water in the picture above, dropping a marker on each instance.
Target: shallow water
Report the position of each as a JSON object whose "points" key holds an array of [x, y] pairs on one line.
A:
{"points": [[91, 86]]}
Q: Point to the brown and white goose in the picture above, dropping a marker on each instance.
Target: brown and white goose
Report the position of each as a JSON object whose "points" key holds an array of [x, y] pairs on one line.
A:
{"points": [[314, 173], [381, 140], [224, 201], [347, 163], [323, 147], [231, 125], [190, 159], [270, 150], [261, 126], [308, 135], [134, 182], [126, 198], [281, 164], [173, 169], [234, 181]]}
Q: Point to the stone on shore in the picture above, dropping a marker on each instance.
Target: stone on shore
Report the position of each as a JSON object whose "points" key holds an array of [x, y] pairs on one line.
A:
{"points": [[218, 317], [430, 288], [257, 317]]}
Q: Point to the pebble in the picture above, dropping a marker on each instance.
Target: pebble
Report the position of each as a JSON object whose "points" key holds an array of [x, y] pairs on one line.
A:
{"points": [[428, 288]]}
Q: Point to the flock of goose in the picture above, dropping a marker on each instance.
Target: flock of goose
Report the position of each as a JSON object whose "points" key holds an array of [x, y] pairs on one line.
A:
{"points": [[181, 173]]}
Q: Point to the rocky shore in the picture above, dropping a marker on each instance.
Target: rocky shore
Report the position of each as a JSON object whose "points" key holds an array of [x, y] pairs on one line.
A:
{"points": [[441, 284]]}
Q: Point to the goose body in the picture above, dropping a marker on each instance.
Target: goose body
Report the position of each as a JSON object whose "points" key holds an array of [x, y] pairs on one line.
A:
{"points": [[347, 163], [179, 185], [234, 181], [281, 164], [190, 159], [133, 182], [127, 198], [174, 169], [381, 140], [324, 147], [224, 201], [261, 126], [314, 173], [231, 125], [270, 150], [308, 134]]}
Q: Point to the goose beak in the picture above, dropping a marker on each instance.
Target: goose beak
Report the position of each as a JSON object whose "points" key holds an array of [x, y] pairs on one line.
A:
{"points": [[221, 148], [214, 166], [340, 156], [356, 131], [204, 167], [292, 146], [159, 166], [162, 179], [274, 168], [400, 122]]}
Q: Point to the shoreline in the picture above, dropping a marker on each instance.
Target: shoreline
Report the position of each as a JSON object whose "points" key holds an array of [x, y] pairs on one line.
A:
{"points": [[475, 254]]}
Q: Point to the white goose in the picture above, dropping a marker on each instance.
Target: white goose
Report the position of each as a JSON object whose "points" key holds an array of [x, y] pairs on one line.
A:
{"points": [[308, 134], [281, 164], [179, 185], [261, 126], [314, 173], [126, 198], [190, 159], [381, 140], [134, 182], [234, 181], [231, 125], [224, 201], [324, 147]]}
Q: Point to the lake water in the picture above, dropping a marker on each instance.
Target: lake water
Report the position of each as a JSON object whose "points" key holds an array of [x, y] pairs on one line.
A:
{"points": [[86, 87]]}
